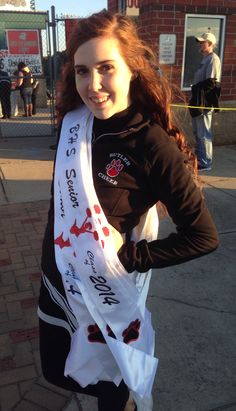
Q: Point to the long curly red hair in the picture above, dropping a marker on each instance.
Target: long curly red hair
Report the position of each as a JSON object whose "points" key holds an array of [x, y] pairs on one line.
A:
{"points": [[150, 91]]}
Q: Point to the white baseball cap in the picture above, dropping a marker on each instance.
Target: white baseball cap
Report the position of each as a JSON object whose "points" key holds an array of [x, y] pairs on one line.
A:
{"points": [[207, 37]]}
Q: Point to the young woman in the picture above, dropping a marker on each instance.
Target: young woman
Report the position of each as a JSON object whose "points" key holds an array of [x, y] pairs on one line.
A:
{"points": [[118, 155], [25, 83]]}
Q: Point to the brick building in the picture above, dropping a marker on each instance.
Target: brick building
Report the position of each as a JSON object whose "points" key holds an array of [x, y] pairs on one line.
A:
{"points": [[171, 26]]}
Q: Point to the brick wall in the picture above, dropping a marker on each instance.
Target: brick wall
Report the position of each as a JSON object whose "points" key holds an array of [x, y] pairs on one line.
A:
{"points": [[168, 16]]}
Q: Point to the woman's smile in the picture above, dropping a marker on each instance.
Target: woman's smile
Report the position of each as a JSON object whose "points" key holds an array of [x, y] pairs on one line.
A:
{"points": [[98, 99]]}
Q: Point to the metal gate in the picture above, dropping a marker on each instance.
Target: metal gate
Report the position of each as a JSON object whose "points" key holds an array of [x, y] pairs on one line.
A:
{"points": [[52, 44]]}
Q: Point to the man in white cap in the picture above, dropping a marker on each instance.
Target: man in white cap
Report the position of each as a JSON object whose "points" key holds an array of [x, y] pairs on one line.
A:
{"points": [[205, 93]]}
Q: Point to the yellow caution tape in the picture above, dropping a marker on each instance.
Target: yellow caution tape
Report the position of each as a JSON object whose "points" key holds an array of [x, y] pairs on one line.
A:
{"points": [[205, 108]]}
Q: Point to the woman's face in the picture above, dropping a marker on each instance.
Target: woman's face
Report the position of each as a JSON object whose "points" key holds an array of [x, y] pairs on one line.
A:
{"points": [[102, 77]]}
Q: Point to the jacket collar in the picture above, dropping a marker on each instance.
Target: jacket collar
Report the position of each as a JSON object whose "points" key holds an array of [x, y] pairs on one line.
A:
{"points": [[121, 124]]}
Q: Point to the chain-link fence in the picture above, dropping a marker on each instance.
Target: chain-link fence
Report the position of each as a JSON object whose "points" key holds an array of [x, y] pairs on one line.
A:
{"points": [[39, 40], [29, 37]]}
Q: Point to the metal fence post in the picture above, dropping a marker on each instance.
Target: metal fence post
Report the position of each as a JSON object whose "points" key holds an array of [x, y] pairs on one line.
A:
{"points": [[53, 60], [54, 43]]}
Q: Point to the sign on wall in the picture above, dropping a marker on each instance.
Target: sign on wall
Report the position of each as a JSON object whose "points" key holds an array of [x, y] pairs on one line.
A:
{"points": [[167, 48], [23, 41], [23, 45], [69, 25], [16, 5]]}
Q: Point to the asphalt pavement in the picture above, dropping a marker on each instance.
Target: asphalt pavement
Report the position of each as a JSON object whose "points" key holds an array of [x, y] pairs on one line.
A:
{"points": [[193, 305]]}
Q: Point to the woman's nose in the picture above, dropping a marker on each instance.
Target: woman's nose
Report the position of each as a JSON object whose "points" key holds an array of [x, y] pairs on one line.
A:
{"points": [[95, 81]]}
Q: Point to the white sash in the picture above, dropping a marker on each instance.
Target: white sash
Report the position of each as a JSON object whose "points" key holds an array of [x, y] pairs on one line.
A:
{"points": [[115, 338]]}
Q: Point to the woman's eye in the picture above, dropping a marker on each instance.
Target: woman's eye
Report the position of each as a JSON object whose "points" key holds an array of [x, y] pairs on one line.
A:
{"points": [[80, 71], [105, 68]]}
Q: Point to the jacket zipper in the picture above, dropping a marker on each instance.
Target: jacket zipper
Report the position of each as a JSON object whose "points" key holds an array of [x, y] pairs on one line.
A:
{"points": [[112, 134]]}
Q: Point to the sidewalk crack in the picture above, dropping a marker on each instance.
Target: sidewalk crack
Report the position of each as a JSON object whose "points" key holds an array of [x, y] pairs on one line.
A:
{"points": [[223, 190], [197, 306], [2, 179], [224, 407]]}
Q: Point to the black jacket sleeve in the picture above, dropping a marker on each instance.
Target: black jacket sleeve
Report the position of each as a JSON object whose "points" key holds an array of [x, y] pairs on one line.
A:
{"points": [[204, 94], [195, 235]]}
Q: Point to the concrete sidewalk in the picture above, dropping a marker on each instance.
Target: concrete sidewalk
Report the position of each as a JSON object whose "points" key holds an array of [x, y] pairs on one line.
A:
{"points": [[193, 305]]}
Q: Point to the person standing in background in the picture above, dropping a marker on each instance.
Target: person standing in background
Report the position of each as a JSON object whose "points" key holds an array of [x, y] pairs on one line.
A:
{"points": [[5, 94], [205, 93], [24, 82]]}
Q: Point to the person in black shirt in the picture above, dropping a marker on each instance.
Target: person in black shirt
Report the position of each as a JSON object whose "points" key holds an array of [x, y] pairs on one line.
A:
{"points": [[5, 94], [112, 95]]}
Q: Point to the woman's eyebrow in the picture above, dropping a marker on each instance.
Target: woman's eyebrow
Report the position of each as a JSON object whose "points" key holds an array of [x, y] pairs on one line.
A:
{"points": [[106, 61], [96, 64]]}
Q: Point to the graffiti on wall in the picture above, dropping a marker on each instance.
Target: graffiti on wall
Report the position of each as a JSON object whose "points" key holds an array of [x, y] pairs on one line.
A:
{"points": [[9, 62]]}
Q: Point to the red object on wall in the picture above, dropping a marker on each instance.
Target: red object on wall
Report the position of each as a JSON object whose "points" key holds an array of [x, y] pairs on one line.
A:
{"points": [[69, 25], [23, 42], [132, 3]]}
